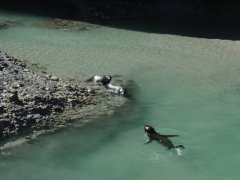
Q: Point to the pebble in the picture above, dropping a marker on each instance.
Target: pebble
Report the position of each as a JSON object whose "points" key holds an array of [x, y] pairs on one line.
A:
{"points": [[26, 70], [29, 116], [54, 78]]}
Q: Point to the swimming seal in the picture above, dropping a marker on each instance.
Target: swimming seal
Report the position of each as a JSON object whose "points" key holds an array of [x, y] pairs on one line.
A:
{"points": [[163, 139], [101, 80]]}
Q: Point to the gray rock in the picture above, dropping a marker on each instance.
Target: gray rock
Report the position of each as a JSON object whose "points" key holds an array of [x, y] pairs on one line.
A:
{"points": [[37, 116], [29, 116], [54, 78], [30, 99]]}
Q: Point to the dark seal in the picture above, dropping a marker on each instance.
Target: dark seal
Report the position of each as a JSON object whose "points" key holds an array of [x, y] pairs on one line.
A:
{"points": [[163, 139]]}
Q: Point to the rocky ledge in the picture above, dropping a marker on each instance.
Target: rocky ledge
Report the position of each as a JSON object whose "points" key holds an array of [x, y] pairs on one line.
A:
{"points": [[32, 100], [69, 25]]}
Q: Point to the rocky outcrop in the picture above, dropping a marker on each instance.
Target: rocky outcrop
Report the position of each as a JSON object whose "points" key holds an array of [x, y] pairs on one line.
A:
{"points": [[68, 25], [30, 99], [5, 23]]}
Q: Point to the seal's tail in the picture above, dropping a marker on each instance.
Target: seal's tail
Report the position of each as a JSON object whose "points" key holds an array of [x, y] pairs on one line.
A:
{"points": [[179, 147]]}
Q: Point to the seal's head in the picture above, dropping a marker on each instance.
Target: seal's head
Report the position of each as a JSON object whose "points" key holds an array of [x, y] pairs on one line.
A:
{"points": [[106, 79], [149, 129], [122, 91]]}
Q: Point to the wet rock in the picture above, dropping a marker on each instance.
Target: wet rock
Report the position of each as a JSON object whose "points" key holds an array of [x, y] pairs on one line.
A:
{"points": [[91, 91], [37, 116], [54, 78], [68, 25], [29, 116], [1, 109], [26, 70], [15, 99], [5, 23], [3, 65], [17, 85], [31, 99]]}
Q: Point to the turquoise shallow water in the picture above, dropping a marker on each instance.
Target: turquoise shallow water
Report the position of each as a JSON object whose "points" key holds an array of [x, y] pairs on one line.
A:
{"points": [[186, 86]]}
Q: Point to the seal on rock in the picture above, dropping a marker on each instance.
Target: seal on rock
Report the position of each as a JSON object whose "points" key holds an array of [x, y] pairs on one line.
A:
{"points": [[105, 81], [101, 80], [115, 89]]}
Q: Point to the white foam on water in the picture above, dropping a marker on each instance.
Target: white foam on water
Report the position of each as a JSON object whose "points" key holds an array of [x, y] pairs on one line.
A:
{"points": [[179, 151]]}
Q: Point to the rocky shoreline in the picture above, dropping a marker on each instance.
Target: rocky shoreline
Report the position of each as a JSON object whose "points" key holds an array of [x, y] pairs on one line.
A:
{"points": [[32, 100], [68, 25]]}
